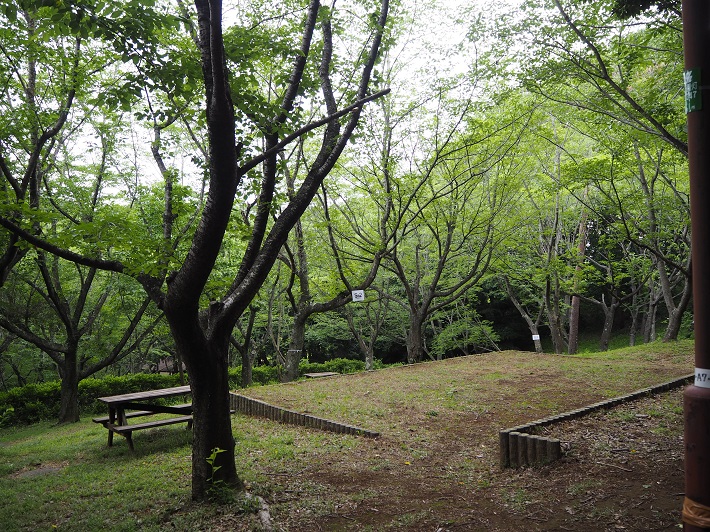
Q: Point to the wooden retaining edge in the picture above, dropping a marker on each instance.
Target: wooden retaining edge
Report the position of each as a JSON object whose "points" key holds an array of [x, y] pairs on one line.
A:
{"points": [[254, 407], [519, 448]]}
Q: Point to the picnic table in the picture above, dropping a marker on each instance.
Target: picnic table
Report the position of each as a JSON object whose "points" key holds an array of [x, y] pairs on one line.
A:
{"points": [[123, 407]]}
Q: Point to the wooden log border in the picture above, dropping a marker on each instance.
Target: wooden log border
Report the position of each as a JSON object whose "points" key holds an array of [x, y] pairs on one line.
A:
{"points": [[519, 448], [254, 407]]}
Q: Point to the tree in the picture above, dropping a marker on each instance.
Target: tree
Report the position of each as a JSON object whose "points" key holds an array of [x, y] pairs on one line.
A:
{"points": [[202, 333], [447, 222], [245, 346], [62, 319], [56, 156], [633, 8], [611, 71], [40, 84], [522, 305], [459, 329], [537, 272], [346, 265], [583, 56], [533, 261], [608, 272], [617, 66], [369, 322], [645, 187], [354, 218]]}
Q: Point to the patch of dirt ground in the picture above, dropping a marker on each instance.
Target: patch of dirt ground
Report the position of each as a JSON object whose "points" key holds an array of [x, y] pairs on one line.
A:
{"points": [[621, 470], [436, 469]]}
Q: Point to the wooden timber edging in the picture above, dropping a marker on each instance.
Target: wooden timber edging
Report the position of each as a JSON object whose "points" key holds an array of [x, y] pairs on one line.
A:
{"points": [[519, 448], [254, 407]]}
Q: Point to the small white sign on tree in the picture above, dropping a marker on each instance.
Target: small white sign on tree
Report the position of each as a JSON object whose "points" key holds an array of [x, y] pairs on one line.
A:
{"points": [[358, 295]]}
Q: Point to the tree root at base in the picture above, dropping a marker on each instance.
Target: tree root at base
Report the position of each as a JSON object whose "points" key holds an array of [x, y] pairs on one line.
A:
{"points": [[263, 512]]}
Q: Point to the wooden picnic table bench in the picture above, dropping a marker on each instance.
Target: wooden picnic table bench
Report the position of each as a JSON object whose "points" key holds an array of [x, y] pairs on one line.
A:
{"points": [[123, 407], [320, 374]]}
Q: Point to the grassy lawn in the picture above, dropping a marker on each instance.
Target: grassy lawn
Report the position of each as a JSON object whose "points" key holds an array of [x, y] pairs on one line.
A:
{"points": [[65, 477]]}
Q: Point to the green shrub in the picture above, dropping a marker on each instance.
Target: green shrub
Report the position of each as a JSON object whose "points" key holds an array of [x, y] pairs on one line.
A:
{"points": [[29, 404], [35, 402], [311, 367], [345, 365], [265, 375], [259, 375], [234, 376], [337, 365], [7, 416]]}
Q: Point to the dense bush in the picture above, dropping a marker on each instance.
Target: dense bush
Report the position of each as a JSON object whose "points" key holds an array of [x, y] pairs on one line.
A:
{"points": [[269, 374], [34, 402], [337, 365], [259, 374], [30, 403]]}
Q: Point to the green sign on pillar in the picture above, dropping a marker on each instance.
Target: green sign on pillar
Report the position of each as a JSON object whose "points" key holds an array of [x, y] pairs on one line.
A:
{"points": [[693, 96]]}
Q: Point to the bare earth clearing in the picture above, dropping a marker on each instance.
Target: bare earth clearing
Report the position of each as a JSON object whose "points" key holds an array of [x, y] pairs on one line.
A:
{"points": [[435, 465]]}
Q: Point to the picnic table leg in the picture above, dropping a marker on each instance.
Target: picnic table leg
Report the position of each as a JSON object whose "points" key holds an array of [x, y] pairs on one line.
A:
{"points": [[120, 413], [111, 421], [129, 438]]}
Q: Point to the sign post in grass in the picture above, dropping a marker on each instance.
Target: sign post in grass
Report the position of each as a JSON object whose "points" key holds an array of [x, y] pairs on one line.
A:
{"points": [[696, 401]]}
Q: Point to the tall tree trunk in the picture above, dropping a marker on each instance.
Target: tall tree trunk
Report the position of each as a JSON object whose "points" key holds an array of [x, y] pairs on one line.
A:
{"points": [[609, 313], [649, 320], [415, 340], [533, 326], [634, 329], [69, 390], [212, 428], [675, 318], [536, 338], [552, 285], [206, 361], [573, 344], [369, 359], [362, 343], [247, 368], [245, 350], [366, 342], [649, 325], [552, 307], [635, 312], [295, 348]]}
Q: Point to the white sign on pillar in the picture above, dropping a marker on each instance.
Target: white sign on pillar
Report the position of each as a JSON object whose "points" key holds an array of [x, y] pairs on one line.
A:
{"points": [[358, 295]]}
